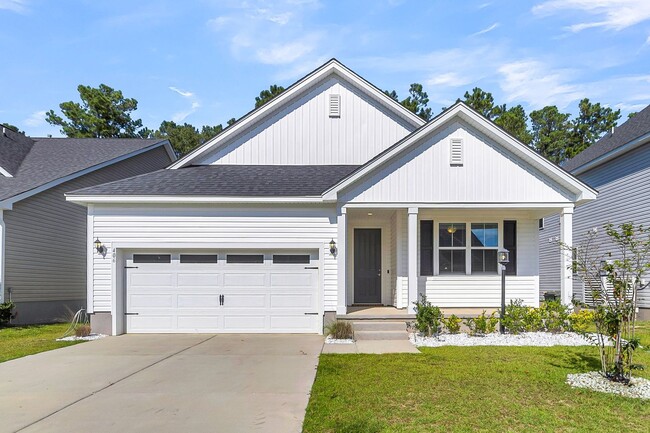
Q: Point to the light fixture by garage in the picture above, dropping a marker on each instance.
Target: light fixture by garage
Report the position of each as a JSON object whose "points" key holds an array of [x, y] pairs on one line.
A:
{"points": [[332, 247], [101, 249]]}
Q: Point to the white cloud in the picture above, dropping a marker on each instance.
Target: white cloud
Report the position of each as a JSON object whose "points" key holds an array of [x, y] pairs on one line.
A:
{"points": [[283, 54], [183, 93], [647, 41], [451, 79], [610, 14], [486, 30], [532, 82], [35, 119], [19, 6]]}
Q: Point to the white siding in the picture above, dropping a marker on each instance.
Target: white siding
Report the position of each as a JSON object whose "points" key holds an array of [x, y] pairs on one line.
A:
{"points": [[489, 174], [303, 133], [480, 291], [197, 227]]}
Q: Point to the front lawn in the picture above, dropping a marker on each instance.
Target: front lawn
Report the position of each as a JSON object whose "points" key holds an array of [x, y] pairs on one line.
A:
{"points": [[19, 341], [467, 389]]}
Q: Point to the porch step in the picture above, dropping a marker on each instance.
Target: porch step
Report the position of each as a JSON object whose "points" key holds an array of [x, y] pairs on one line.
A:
{"points": [[379, 325], [381, 335]]}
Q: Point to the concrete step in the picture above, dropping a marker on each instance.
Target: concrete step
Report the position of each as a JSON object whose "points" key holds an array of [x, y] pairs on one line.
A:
{"points": [[379, 325], [381, 335]]}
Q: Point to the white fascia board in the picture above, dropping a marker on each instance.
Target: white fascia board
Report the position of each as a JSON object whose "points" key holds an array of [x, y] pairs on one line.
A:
{"points": [[187, 199], [582, 190], [637, 142], [8, 203], [460, 205], [4, 172], [333, 66]]}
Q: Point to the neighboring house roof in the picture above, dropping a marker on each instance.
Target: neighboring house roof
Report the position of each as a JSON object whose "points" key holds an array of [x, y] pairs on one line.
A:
{"points": [[227, 181], [333, 66], [50, 161], [633, 129]]}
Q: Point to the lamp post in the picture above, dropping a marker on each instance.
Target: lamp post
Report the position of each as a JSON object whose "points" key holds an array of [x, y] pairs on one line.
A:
{"points": [[503, 256]]}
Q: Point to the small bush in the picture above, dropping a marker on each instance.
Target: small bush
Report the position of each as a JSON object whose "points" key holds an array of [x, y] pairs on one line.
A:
{"points": [[6, 312], [428, 318], [555, 316], [82, 330], [452, 324], [340, 329], [582, 321], [482, 324], [514, 319]]}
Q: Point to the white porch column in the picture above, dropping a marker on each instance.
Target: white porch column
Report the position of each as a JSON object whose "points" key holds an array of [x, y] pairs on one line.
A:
{"points": [[412, 258], [2, 256], [341, 262], [566, 256]]}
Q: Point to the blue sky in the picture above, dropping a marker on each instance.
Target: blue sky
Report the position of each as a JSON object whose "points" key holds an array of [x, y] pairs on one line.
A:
{"points": [[204, 61]]}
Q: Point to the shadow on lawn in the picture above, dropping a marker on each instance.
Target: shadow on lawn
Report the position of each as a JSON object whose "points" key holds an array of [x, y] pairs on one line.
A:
{"points": [[577, 361], [359, 426]]}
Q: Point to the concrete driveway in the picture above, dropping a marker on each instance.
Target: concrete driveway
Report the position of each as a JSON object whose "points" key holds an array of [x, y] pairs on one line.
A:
{"points": [[163, 383]]}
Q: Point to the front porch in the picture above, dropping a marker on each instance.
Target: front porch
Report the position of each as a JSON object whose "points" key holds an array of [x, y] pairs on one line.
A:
{"points": [[389, 256]]}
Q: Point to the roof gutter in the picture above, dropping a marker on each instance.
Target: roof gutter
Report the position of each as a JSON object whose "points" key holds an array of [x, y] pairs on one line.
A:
{"points": [[86, 199], [637, 142]]}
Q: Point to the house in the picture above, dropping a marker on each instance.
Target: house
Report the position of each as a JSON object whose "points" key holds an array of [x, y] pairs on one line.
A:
{"points": [[329, 196], [42, 236], [618, 166]]}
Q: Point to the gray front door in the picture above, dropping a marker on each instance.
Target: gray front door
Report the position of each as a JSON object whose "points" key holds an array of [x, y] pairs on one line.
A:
{"points": [[367, 266]]}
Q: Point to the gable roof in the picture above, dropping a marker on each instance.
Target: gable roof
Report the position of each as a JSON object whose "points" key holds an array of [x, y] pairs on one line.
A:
{"points": [[460, 110], [226, 181], [635, 128], [333, 66], [50, 161]]}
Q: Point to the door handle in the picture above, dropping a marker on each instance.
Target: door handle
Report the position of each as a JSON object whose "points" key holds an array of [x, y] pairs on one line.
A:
{"points": [[130, 314]]}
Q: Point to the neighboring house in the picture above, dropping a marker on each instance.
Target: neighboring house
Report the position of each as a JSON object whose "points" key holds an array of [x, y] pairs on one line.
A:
{"points": [[618, 166], [43, 237], [330, 195]]}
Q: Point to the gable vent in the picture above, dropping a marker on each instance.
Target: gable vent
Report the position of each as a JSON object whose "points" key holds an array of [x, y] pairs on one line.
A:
{"points": [[456, 151], [335, 105]]}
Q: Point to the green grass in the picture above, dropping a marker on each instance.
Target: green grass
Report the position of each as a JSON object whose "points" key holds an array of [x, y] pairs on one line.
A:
{"points": [[468, 389], [19, 341]]}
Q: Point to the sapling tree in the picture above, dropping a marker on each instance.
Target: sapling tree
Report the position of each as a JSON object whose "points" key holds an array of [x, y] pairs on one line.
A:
{"points": [[613, 273]]}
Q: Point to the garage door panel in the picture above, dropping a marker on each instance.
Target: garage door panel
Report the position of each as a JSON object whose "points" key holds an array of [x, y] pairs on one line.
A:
{"points": [[223, 297], [151, 301], [196, 300], [186, 279]]}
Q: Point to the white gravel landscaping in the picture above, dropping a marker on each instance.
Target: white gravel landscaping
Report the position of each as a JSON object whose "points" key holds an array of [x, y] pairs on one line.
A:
{"points": [[90, 337], [639, 387], [543, 339], [330, 340]]}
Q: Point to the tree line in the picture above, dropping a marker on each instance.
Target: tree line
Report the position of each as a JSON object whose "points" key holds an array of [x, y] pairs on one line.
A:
{"points": [[105, 112]]}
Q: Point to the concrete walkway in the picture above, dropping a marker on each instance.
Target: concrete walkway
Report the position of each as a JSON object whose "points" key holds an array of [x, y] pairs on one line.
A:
{"points": [[372, 346], [163, 383]]}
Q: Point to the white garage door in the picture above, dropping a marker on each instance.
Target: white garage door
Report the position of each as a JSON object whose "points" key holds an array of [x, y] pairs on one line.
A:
{"points": [[222, 292]]}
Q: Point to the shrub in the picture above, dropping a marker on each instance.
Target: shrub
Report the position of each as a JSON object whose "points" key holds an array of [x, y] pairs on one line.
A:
{"points": [[428, 317], [452, 324], [555, 316], [340, 329], [582, 321], [482, 324], [82, 330], [6, 312], [514, 319], [533, 320]]}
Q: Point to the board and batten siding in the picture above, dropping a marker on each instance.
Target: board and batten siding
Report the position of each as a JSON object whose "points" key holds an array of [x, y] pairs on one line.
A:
{"points": [[197, 227], [623, 186], [303, 133], [46, 242], [424, 174]]}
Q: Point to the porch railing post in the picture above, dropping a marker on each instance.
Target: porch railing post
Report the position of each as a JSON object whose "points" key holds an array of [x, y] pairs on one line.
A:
{"points": [[412, 258], [341, 262]]}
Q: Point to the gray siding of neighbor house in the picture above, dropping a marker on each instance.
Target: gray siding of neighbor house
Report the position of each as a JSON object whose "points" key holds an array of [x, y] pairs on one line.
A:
{"points": [[46, 243], [623, 186]]}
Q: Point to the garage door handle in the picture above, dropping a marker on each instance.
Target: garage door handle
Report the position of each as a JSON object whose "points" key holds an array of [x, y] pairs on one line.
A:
{"points": [[130, 314], [311, 267], [311, 314]]}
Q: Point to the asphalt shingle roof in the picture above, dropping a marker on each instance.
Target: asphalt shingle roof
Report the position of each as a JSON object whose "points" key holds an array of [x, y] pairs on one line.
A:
{"points": [[635, 127], [36, 161], [228, 181]]}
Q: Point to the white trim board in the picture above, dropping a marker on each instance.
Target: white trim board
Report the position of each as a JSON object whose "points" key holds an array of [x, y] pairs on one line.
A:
{"points": [[331, 67], [8, 203]]}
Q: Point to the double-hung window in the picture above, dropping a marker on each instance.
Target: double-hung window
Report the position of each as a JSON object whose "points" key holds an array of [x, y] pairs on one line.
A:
{"points": [[485, 243], [452, 248]]}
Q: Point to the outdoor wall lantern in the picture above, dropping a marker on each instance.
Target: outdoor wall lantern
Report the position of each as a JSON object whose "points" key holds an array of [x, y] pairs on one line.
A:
{"points": [[503, 256], [101, 249], [332, 247]]}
